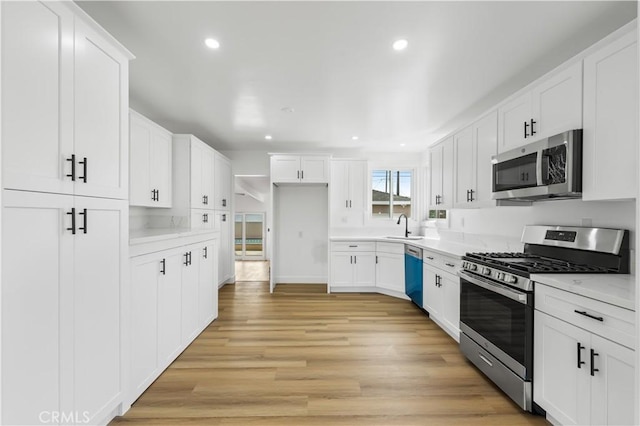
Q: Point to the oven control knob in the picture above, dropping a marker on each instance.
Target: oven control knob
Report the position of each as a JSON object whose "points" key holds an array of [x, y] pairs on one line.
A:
{"points": [[465, 265], [473, 267], [510, 279], [500, 275], [486, 271]]}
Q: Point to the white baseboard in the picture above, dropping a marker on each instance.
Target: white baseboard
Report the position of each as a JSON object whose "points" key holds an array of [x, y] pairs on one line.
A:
{"points": [[292, 279]]}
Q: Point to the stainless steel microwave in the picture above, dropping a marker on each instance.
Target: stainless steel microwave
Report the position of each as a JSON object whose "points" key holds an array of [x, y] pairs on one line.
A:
{"points": [[550, 168]]}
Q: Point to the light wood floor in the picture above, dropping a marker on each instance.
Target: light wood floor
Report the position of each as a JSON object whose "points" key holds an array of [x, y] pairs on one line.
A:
{"points": [[303, 357], [252, 270]]}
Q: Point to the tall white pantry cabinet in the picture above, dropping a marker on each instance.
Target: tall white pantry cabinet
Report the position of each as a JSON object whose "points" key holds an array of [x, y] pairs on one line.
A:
{"points": [[64, 217]]}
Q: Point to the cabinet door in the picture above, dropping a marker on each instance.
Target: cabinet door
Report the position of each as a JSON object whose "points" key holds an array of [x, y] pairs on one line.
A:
{"points": [[432, 293], [511, 119], [464, 167], [37, 272], [611, 121], [341, 269], [144, 322], [314, 169], [208, 283], [160, 167], [202, 219], [364, 267], [222, 183], [562, 388], [190, 284], [99, 262], [485, 143], [557, 103], [446, 201], [339, 193], [140, 163], [390, 271], [208, 175], [450, 291], [357, 191], [435, 159], [101, 119], [612, 386], [225, 253], [285, 168], [37, 90], [170, 309]]}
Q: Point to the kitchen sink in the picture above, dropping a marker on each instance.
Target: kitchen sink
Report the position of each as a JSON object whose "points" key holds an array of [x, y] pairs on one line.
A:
{"points": [[394, 237]]}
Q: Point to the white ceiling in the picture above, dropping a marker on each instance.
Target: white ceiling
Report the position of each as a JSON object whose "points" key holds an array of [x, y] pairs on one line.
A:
{"points": [[333, 63]]}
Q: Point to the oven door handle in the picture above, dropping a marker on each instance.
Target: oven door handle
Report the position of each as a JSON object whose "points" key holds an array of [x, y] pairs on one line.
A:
{"points": [[496, 288]]}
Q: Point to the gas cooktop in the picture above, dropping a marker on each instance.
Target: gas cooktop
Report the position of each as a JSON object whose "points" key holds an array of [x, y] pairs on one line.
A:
{"points": [[529, 263]]}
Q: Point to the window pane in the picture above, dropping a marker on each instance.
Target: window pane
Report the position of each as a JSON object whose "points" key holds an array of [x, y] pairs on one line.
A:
{"points": [[391, 193], [402, 193], [380, 195]]}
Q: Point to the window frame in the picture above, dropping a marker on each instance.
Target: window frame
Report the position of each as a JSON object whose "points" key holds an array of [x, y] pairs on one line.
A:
{"points": [[374, 218]]}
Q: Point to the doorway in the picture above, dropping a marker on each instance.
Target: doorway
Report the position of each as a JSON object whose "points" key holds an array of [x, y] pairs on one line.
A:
{"points": [[249, 236]]}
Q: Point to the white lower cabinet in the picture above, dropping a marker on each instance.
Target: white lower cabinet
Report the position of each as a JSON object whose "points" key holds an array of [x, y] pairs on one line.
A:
{"points": [[190, 285], [353, 264], [65, 354], [174, 296], [579, 376], [390, 267], [441, 293]]}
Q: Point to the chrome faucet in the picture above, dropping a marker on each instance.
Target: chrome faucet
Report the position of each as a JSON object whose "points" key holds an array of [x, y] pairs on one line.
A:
{"points": [[406, 224]]}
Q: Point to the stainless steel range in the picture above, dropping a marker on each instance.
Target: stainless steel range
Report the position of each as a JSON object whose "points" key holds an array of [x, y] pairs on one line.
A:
{"points": [[496, 296]]}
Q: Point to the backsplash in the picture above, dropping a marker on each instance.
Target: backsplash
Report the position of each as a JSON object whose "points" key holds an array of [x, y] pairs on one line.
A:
{"points": [[508, 222]]}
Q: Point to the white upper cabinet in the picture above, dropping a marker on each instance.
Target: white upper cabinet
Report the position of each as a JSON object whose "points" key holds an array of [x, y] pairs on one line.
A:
{"points": [[473, 148], [37, 102], [299, 169], [64, 104], [149, 163], [193, 175], [610, 136], [222, 183], [552, 106], [202, 174], [101, 131], [347, 192], [441, 159]]}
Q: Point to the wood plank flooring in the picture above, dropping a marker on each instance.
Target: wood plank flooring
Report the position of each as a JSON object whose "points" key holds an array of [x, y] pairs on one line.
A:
{"points": [[252, 270], [304, 357]]}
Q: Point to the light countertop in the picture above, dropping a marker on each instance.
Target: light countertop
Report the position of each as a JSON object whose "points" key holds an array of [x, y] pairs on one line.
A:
{"points": [[448, 248], [616, 289], [142, 236]]}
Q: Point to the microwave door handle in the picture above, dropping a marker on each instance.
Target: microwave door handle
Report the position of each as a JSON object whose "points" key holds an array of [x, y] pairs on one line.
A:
{"points": [[539, 180], [496, 288]]}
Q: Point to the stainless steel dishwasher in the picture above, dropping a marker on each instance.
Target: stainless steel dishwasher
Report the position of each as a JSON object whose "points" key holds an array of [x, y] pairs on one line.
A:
{"points": [[413, 273]]}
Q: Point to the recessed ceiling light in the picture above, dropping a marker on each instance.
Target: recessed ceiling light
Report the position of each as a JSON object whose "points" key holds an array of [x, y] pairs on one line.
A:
{"points": [[400, 44], [212, 43], [354, 138], [403, 144], [268, 137]]}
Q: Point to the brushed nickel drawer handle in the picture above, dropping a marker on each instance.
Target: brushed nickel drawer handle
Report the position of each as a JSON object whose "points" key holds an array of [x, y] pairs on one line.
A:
{"points": [[485, 359], [584, 313]]}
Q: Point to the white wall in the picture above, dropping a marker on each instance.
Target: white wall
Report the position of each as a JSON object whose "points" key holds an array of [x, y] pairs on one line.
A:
{"points": [[508, 221], [302, 234]]}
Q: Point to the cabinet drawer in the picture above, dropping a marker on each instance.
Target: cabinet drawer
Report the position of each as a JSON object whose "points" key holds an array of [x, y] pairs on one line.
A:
{"points": [[353, 246], [391, 248], [609, 321], [446, 263]]}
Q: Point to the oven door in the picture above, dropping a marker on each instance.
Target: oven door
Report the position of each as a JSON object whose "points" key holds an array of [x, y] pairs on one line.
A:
{"points": [[500, 319]]}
